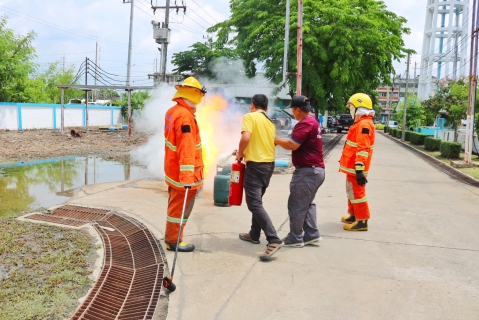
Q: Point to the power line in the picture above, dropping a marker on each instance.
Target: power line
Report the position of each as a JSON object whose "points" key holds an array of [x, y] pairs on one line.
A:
{"points": [[205, 11], [61, 28]]}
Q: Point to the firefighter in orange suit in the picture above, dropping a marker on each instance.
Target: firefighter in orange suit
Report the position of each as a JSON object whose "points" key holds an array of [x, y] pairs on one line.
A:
{"points": [[183, 159], [356, 160]]}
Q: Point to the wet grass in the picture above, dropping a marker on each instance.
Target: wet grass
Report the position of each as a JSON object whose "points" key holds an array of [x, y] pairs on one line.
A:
{"points": [[43, 269]]}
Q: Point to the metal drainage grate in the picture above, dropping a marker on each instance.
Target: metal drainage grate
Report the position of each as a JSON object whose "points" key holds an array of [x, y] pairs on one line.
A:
{"points": [[130, 282], [328, 147]]}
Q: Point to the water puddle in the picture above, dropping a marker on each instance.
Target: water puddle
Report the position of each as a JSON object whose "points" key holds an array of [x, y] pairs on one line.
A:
{"points": [[27, 186]]}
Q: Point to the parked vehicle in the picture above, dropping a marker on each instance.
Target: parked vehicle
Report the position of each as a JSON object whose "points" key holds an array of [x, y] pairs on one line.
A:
{"points": [[282, 119], [393, 124], [343, 122]]}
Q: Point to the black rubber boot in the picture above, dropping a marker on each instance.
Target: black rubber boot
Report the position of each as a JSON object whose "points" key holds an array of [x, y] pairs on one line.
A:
{"points": [[348, 219], [358, 225], [183, 247]]}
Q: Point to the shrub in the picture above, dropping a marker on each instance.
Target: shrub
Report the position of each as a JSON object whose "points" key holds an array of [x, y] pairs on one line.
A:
{"points": [[398, 133], [407, 135], [450, 150], [386, 129], [418, 138], [392, 132], [432, 144], [379, 126]]}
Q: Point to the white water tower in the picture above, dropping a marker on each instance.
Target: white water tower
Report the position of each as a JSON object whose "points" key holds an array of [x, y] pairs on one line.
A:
{"points": [[444, 50]]}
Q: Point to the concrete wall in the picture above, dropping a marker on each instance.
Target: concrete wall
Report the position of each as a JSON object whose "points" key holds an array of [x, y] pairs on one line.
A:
{"points": [[19, 116], [461, 138]]}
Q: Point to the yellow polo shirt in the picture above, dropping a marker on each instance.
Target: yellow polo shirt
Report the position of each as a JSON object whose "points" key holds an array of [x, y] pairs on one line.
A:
{"points": [[261, 146]]}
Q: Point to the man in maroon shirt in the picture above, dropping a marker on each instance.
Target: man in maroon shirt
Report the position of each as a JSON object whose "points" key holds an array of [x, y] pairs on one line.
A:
{"points": [[307, 146]]}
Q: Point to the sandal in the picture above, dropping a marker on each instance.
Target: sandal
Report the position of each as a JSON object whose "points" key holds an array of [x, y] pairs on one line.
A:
{"points": [[271, 249], [247, 237]]}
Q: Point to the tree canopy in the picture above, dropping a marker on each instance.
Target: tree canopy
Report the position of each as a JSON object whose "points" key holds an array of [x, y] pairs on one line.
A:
{"points": [[348, 45], [451, 98], [200, 59], [16, 55], [42, 87]]}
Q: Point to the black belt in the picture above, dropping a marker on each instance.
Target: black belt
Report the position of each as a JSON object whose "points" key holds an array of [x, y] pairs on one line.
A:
{"points": [[299, 167], [253, 162]]}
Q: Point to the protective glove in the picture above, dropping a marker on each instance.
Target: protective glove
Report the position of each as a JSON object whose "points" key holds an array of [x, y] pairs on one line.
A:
{"points": [[360, 178]]}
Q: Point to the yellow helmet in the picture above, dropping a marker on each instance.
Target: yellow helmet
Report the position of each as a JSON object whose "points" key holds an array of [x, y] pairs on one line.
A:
{"points": [[358, 100], [191, 90]]}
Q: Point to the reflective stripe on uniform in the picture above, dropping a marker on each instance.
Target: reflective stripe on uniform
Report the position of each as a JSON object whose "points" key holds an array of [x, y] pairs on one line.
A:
{"points": [[362, 153], [347, 169], [187, 168], [169, 145], [352, 144], [175, 220], [364, 199], [198, 146], [180, 185], [341, 168]]}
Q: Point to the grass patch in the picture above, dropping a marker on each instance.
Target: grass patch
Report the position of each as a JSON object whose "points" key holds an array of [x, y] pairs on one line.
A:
{"points": [[43, 269]]}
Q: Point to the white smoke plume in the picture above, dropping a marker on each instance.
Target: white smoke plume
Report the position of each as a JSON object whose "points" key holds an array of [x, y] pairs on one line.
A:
{"points": [[152, 120], [219, 118]]}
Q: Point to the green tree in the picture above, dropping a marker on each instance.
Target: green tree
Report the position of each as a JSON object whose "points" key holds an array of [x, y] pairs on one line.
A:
{"points": [[16, 55], [415, 113], [200, 59], [42, 87], [452, 98], [348, 45], [107, 94], [137, 102]]}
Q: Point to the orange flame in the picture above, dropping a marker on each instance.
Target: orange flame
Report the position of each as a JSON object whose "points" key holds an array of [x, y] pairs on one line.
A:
{"points": [[208, 117]]}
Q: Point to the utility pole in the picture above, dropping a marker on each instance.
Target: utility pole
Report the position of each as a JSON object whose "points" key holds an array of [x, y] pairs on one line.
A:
{"points": [[390, 102], [86, 94], [96, 69], [162, 35], [299, 62], [403, 135], [155, 75], [129, 47], [472, 85]]}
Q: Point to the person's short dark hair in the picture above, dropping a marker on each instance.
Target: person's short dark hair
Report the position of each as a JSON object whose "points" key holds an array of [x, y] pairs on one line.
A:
{"points": [[301, 102], [260, 101]]}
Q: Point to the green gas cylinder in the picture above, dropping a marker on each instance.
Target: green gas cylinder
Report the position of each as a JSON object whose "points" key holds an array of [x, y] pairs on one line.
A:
{"points": [[222, 186]]}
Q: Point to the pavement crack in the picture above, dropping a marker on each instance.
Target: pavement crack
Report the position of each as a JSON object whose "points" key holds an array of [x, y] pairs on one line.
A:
{"points": [[240, 284], [284, 222], [406, 244]]}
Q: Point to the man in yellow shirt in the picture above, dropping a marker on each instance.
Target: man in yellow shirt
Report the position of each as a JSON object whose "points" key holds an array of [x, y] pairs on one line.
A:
{"points": [[257, 149]]}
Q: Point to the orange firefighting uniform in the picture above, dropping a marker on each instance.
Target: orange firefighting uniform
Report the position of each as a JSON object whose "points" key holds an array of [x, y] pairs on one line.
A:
{"points": [[183, 165], [358, 149]]}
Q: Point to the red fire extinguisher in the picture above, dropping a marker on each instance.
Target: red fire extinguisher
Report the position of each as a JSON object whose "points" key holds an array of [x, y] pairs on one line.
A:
{"points": [[235, 196]]}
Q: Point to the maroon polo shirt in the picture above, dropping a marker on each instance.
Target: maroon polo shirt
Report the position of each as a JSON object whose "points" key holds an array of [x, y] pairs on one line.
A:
{"points": [[307, 133]]}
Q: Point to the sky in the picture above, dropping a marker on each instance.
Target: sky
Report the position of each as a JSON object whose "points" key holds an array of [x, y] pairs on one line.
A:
{"points": [[69, 31]]}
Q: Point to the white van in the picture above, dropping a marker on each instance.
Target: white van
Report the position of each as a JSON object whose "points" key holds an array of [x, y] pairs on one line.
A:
{"points": [[393, 124]]}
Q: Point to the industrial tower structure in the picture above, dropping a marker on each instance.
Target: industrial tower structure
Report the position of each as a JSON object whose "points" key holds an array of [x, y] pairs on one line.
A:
{"points": [[445, 43]]}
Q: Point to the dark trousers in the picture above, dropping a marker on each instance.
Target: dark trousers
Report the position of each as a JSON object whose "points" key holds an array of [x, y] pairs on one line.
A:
{"points": [[256, 180]]}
